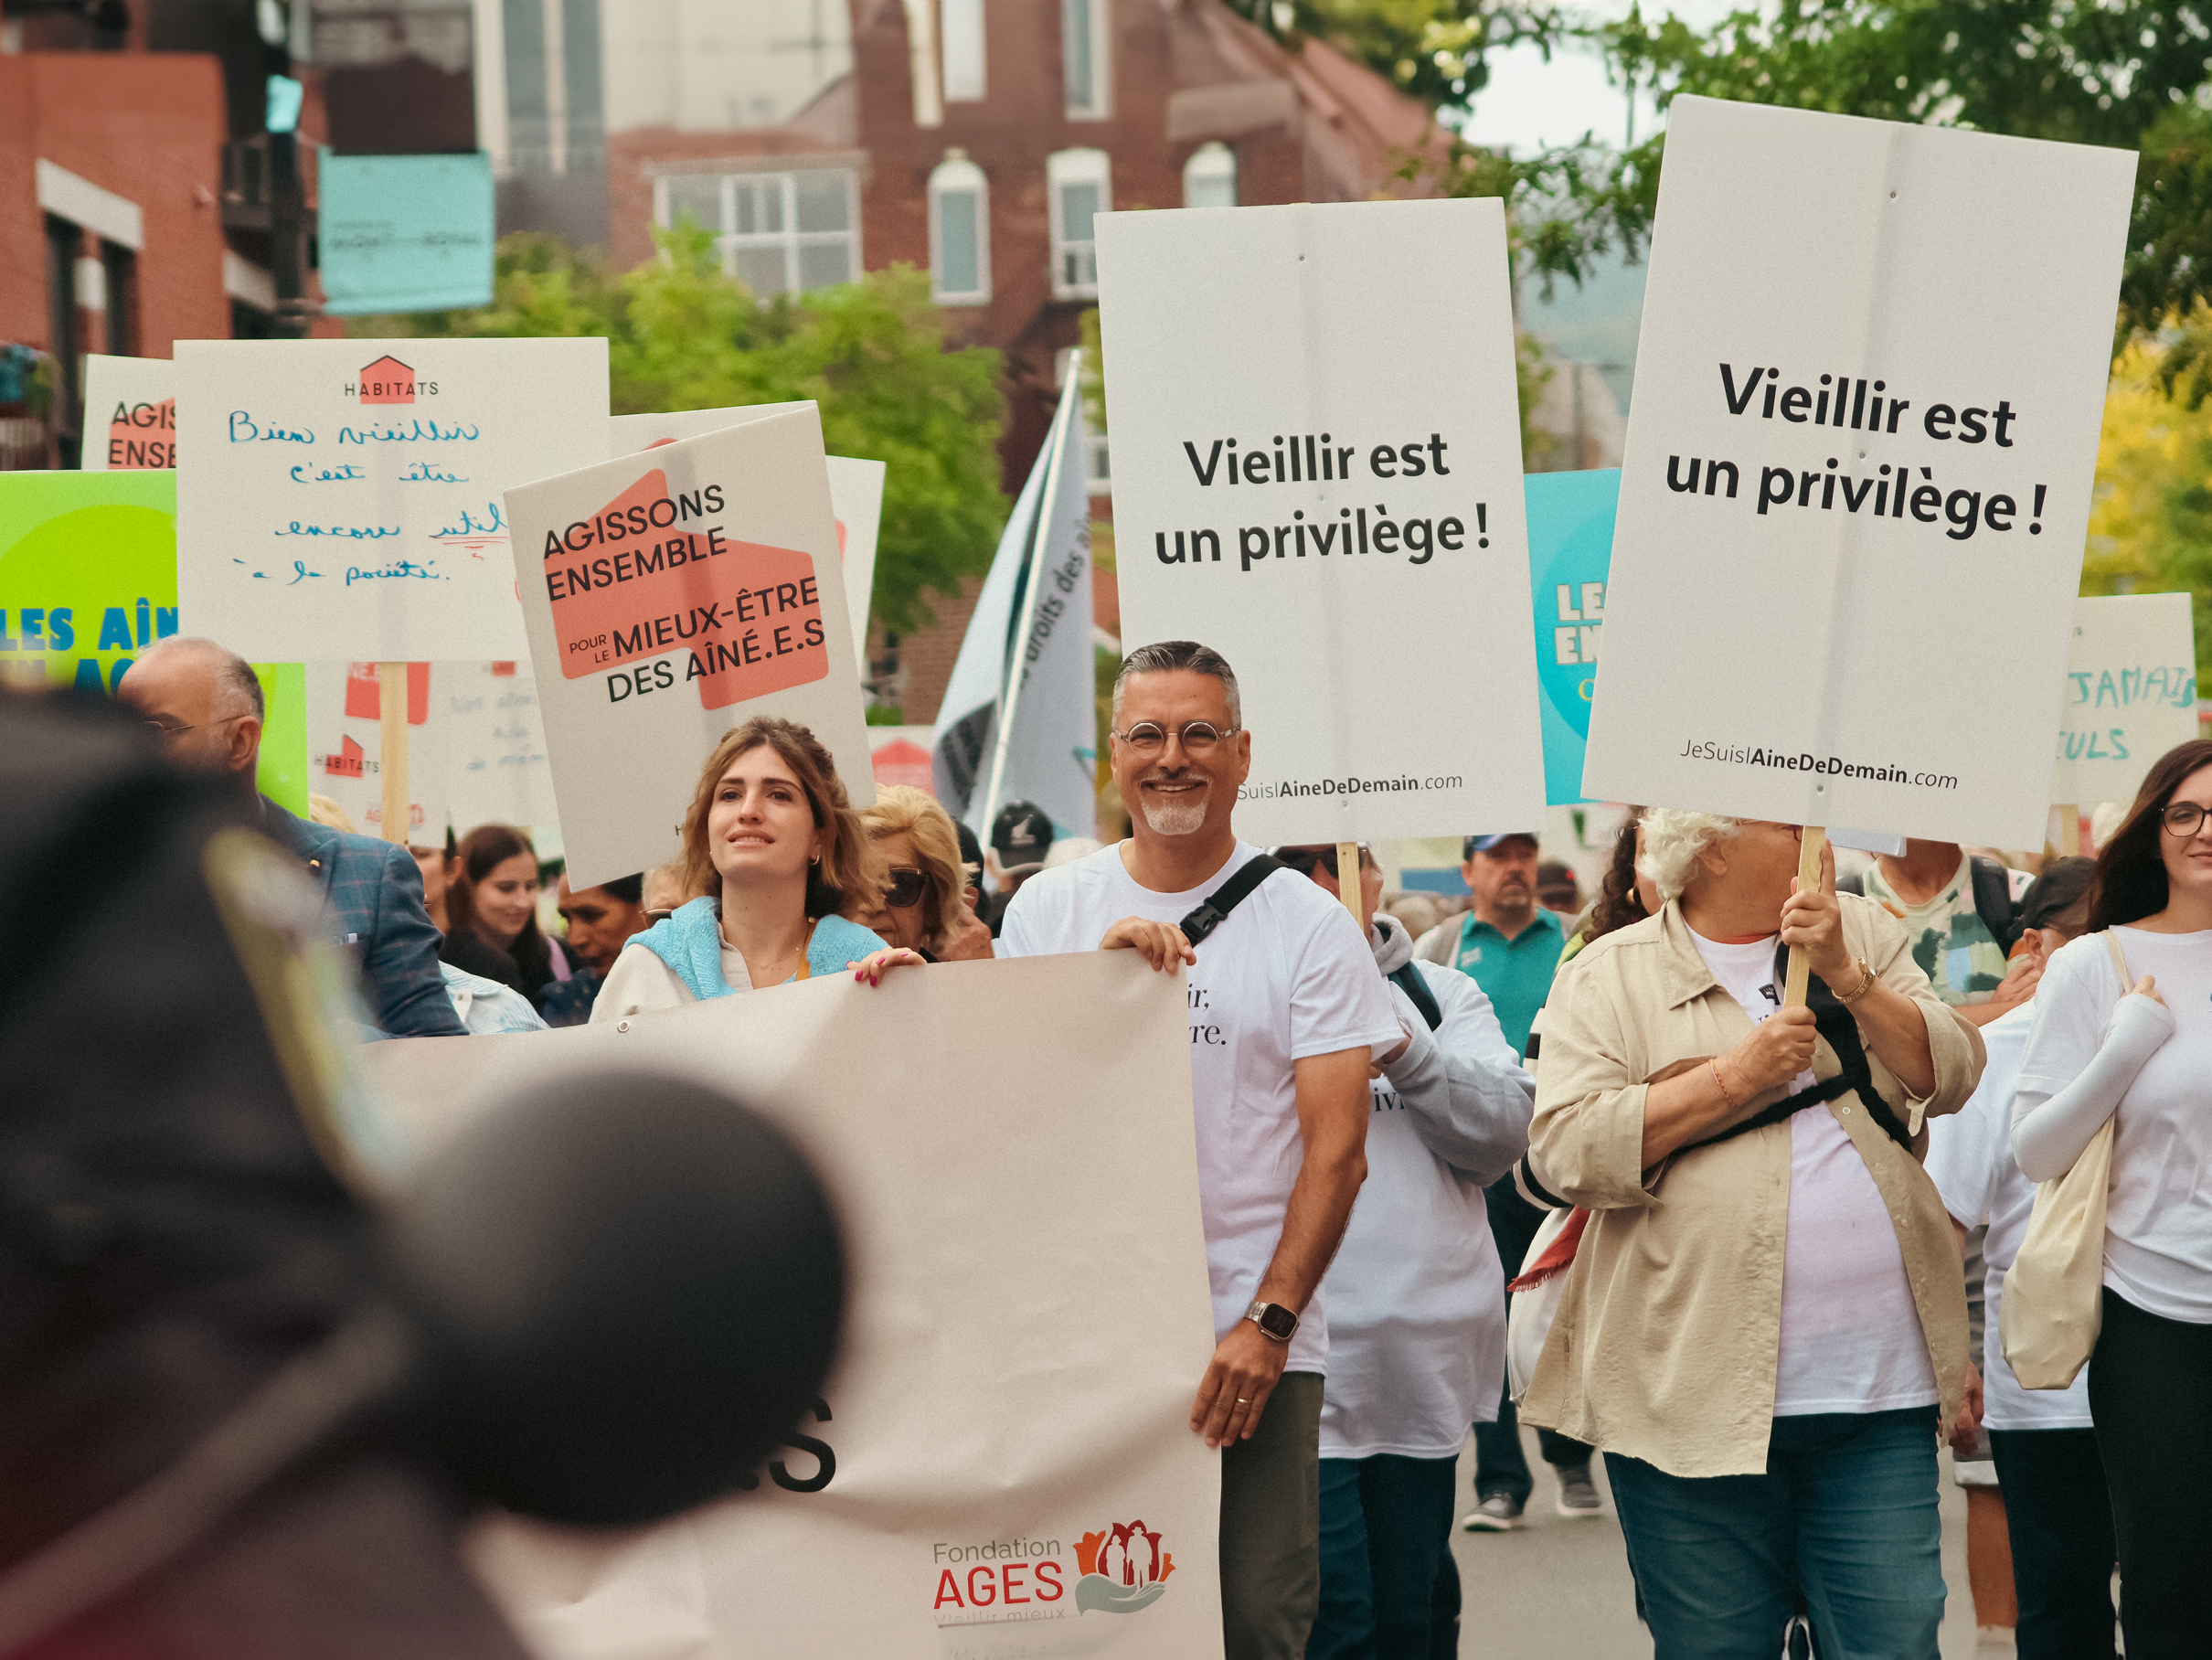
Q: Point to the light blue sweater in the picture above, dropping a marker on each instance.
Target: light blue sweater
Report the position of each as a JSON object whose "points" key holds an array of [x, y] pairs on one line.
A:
{"points": [[690, 942]]}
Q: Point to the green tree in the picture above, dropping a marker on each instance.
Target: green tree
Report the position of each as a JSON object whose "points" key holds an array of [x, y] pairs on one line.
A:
{"points": [[1432, 50], [682, 334]]}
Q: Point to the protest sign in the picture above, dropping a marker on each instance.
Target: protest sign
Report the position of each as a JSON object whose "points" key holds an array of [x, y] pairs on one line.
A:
{"points": [[88, 579], [855, 492], [1317, 471], [671, 595], [1002, 1464], [346, 748], [401, 233], [341, 499], [1858, 473], [2130, 694], [496, 768], [1570, 547], [130, 413]]}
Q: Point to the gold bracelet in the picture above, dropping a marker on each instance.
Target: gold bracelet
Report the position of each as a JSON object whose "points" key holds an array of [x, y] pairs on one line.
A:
{"points": [[1723, 1082], [1866, 984]]}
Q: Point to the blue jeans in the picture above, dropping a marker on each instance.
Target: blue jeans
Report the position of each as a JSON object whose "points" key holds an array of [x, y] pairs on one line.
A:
{"points": [[1846, 1514], [1385, 1534]]}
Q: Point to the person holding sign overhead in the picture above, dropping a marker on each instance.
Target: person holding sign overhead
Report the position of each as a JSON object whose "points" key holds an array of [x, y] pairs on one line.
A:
{"points": [[206, 704], [1287, 1012], [2143, 1061], [772, 851], [1766, 1309]]}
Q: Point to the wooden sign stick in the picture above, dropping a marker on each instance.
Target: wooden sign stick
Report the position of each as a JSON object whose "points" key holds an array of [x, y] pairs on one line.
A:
{"points": [[1808, 878], [1347, 887], [391, 761], [2069, 828]]}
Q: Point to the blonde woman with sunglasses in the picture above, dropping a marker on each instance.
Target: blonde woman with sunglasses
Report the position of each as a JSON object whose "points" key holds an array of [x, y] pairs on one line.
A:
{"points": [[922, 904]]}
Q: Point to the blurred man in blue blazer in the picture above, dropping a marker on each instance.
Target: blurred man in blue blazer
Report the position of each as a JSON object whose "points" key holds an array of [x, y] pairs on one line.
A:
{"points": [[206, 704]]}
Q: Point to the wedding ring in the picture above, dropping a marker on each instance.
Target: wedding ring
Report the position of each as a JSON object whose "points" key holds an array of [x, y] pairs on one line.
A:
{"points": [[1242, 1401]]}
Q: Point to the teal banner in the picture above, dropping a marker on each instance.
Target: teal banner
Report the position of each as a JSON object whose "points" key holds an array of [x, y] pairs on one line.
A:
{"points": [[401, 233], [1571, 551]]}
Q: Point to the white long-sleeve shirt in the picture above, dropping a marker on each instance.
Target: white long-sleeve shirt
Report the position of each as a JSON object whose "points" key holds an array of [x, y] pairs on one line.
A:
{"points": [[1416, 1301]]}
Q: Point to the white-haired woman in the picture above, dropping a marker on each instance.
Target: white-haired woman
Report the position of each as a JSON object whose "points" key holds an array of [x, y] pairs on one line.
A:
{"points": [[1765, 1315]]}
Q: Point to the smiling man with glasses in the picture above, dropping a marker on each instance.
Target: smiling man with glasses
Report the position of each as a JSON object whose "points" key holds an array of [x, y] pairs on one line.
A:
{"points": [[1286, 1011], [204, 703]]}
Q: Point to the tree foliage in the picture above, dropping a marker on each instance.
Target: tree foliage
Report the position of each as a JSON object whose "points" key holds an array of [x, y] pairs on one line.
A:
{"points": [[2150, 524], [682, 334], [1432, 50]]}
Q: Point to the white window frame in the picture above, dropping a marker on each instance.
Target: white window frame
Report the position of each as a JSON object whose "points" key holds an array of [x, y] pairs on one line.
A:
{"points": [[1209, 163], [960, 42], [791, 239], [957, 174], [1064, 167], [1089, 23]]}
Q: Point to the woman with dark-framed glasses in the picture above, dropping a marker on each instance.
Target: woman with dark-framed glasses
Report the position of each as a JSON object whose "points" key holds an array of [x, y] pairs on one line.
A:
{"points": [[921, 904], [2144, 1060]]}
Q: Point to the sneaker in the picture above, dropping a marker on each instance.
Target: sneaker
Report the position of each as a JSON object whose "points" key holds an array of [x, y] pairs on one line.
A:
{"points": [[1500, 1513], [1579, 1494]]}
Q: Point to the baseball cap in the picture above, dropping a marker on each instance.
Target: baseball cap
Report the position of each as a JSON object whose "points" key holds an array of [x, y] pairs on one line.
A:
{"points": [[1491, 844], [1021, 836], [2057, 891]]}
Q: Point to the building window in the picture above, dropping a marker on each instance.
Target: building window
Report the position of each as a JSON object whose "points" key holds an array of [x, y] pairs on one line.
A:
{"points": [[778, 232], [1080, 187], [1087, 59], [962, 28], [959, 232], [121, 268], [1209, 177], [1097, 472]]}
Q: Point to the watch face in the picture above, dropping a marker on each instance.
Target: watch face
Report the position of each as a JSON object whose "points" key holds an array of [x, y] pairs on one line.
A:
{"points": [[1278, 1322]]}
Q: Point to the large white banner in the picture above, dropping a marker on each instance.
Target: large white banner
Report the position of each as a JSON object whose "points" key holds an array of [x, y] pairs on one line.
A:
{"points": [[1317, 471], [129, 414], [1868, 388], [342, 498], [671, 595], [855, 492], [2130, 694], [1002, 1465]]}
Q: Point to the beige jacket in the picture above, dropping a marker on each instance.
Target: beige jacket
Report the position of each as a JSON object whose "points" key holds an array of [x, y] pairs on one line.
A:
{"points": [[1669, 1324]]}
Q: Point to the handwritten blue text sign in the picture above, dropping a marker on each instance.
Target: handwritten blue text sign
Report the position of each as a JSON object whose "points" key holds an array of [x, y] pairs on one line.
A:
{"points": [[2130, 694], [342, 499], [1570, 549]]}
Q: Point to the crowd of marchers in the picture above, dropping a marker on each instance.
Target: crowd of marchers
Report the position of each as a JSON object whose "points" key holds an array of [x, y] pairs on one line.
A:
{"points": [[1754, 1247]]}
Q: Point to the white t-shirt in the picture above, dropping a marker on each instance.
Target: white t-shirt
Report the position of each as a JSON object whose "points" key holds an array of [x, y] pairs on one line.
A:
{"points": [[1850, 1337], [1970, 1159], [1285, 977], [2158, 1213]]}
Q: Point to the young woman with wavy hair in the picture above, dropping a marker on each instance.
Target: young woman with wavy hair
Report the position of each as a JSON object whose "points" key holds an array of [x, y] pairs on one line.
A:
{"points": [[2141, 1059], [773, 852]]}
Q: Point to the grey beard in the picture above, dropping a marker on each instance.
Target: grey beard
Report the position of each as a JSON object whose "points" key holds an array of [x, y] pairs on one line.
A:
{"points": [[1172, 821]]}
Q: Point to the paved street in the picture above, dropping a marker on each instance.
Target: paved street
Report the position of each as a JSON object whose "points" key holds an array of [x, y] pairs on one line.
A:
{"points": [[1559, 1588]]}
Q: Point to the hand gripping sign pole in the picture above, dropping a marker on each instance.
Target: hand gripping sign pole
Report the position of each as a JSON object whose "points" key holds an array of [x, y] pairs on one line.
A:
{"points": [[1813, 843], [391, 710], [1018, 657]]}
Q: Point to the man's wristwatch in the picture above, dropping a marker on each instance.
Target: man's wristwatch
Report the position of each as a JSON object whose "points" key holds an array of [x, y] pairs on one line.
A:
{"points": [[1275, 1322]]}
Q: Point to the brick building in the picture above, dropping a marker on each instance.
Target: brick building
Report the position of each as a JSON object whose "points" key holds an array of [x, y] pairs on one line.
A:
{"points": [[977, 138]]}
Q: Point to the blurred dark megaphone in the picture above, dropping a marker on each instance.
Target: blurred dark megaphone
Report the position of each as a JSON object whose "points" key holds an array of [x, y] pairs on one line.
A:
{"points": [[601, 1303]]}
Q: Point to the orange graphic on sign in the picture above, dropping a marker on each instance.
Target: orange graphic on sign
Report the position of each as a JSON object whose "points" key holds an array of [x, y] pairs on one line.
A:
{"points": [[387, 380], [142, 437], [645, 578]]}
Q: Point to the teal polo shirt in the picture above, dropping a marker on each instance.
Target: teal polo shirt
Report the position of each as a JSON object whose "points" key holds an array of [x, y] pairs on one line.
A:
{"points": [[1516, 973]]}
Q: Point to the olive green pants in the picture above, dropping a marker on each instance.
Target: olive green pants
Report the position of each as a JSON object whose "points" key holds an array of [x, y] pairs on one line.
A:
{"points": [[1270, 1527]]}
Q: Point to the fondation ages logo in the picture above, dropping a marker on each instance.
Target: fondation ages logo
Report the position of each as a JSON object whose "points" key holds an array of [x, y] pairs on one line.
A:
{"points": [[1124, 1569]]}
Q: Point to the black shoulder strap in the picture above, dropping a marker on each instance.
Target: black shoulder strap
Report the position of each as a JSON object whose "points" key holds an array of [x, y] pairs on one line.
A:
{"points": [[1406, 976], [1228, 897], [1994, 899]]}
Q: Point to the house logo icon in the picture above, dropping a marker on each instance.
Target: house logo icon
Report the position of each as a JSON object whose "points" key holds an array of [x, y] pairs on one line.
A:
{"points": [[387, 380]]}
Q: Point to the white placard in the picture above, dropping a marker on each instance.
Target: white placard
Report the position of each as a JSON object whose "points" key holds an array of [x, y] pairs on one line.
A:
{"points": [[1317, 471], [1787, 636], [496, 766], [671, 595], [856, 492], [343, 499], [129, 414], [2130, 695], [1029, 1319]]}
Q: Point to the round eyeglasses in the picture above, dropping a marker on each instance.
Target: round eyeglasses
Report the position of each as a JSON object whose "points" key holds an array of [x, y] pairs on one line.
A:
{"points": [[2181, 818], [1197, 737]]}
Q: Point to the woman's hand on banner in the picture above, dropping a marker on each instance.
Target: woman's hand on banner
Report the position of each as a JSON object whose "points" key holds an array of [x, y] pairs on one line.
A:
{"points": [[1234, 1391], [868, 970], [1813, 923], [1162, 943]]}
